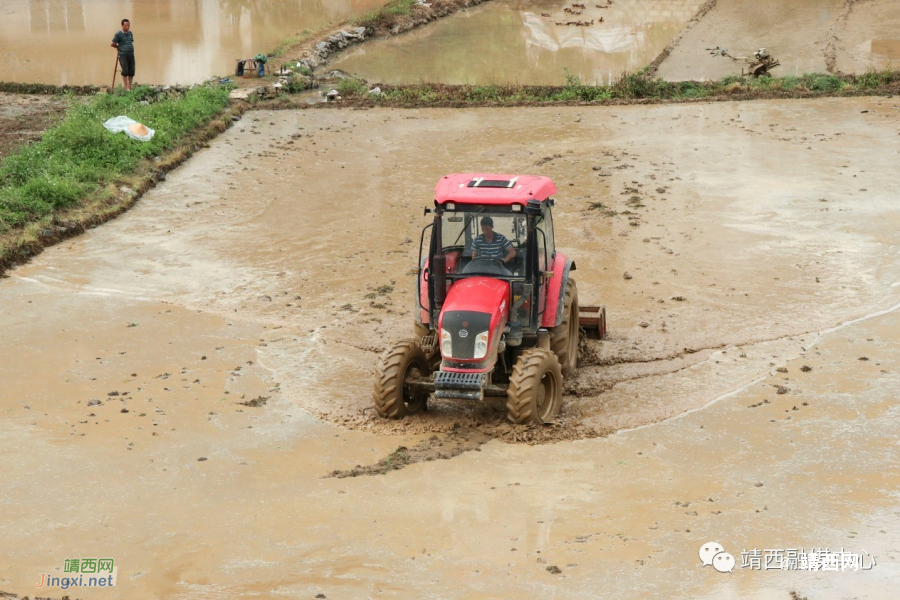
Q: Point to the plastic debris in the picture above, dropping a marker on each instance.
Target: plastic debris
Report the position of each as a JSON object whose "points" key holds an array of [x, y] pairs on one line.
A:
{"points": [[133, 129]]}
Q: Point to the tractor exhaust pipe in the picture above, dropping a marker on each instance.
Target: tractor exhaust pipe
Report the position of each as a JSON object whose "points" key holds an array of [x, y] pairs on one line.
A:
{"points": [[439, 272], [543, 339], [439, 264]]}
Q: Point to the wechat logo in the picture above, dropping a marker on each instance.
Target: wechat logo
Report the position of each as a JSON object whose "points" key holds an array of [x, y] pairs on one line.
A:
{"points": [[712, 553]]}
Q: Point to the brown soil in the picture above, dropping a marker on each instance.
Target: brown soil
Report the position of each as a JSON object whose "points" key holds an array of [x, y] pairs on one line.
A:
{"points": [[653, 67], [806, 36], [24, 118], [273, 265], [869, 38], [434, 448]]}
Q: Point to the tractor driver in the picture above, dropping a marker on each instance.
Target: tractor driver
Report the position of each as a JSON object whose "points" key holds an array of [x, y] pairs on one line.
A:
{"points": [[492, 245]]}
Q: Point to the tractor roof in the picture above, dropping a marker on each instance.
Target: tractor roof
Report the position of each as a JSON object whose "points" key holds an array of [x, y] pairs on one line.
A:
{"points": [[492, 188]]}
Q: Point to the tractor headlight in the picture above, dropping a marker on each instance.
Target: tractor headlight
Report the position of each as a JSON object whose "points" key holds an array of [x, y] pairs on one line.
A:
{"points": [[446, 343], [481, 344]]}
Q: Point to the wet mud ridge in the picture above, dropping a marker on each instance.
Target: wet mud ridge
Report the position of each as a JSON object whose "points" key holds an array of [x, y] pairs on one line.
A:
{"points": [[832, 41], [653, 67], [434, 448]]}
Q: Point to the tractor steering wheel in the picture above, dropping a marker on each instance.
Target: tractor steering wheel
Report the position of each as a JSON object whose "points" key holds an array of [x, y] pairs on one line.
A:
{"points": [[487, 266]]}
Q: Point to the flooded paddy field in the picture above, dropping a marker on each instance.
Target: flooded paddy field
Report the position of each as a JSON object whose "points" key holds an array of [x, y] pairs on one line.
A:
{"points": [[527, 42], [537, 42], [67, 41], [182, 384]]}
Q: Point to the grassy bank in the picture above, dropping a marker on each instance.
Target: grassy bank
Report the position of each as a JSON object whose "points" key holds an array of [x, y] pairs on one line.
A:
{"points": [[78, 157], [630, 87], [79, 174]]}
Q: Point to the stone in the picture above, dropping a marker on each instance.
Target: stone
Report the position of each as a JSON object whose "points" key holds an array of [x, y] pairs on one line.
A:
{"points": [[241, 93]]}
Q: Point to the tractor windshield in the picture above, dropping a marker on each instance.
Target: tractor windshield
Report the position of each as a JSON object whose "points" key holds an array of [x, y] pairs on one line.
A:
{"points": [[461, 231]]}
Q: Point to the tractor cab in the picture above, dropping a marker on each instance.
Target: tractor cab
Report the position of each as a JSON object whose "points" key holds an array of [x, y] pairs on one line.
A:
{"points": [[517, 210], [496, 306]]}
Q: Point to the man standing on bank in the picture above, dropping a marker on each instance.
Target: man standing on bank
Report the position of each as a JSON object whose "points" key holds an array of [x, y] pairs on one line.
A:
{"points": [[124, 41]]}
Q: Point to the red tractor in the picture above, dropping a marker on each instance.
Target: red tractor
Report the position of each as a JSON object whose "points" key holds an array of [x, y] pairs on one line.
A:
{"points": [[497, 310]]}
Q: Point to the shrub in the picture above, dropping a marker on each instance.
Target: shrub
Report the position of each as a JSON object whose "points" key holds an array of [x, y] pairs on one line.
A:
{"points": [[351, 87]]}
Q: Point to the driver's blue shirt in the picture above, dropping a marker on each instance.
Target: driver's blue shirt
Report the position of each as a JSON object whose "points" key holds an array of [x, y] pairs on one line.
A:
{"points": [[495, 249]]}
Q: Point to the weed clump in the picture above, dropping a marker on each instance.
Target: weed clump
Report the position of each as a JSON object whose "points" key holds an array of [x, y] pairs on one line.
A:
{"points": [[388, 15], [351, 87]]}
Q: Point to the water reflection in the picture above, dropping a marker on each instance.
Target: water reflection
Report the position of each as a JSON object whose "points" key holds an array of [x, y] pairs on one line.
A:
{"points": [[176, 41], [53, 17], [526, 41]]}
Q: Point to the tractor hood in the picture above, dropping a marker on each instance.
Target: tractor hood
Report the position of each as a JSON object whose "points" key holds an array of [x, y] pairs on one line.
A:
{"points": [[474, 313]]}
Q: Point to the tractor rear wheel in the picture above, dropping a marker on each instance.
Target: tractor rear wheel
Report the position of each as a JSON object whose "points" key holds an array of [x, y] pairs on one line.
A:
{"points": [[535, 388], [405, 361], [564, 337]]}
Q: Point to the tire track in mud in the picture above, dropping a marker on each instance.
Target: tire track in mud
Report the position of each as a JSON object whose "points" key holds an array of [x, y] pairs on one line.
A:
{"points": [[832, 41], [434, 448], [476, 426], [653, 67]]}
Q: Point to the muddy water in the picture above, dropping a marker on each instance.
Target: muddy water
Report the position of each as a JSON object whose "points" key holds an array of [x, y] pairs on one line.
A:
{"points": [[235, 313], [67, 41], [511, 41]]}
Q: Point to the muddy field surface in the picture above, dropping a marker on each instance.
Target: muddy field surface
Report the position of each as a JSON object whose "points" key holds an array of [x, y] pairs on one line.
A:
{"points": [[190, 390], [307, 224], [24, 118], [807, 36]]}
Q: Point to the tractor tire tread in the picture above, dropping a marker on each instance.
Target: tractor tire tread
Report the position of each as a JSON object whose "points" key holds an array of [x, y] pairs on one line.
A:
{"points": [[526, 376], [389, 371], [559, 335]]}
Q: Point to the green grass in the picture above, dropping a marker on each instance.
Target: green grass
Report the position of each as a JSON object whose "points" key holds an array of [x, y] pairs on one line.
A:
{"points": [[387, 15], [287, 44], [639, 86], [351, 87], [77, 157]]}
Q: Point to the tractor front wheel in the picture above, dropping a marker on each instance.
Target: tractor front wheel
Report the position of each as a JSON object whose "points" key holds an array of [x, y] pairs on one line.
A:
{"points": [[535, 388], [564, 337], [400, 364]]}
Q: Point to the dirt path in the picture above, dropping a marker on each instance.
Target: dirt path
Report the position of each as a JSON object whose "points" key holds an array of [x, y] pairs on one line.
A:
{"points": [[186, 377]]}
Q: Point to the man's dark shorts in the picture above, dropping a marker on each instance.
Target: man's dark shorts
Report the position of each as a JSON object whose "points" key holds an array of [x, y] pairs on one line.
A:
{"points": [[127, 63]]}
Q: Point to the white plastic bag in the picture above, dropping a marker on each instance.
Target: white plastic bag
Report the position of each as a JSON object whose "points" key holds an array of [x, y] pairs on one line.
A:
{"points": [[129, 126]]}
